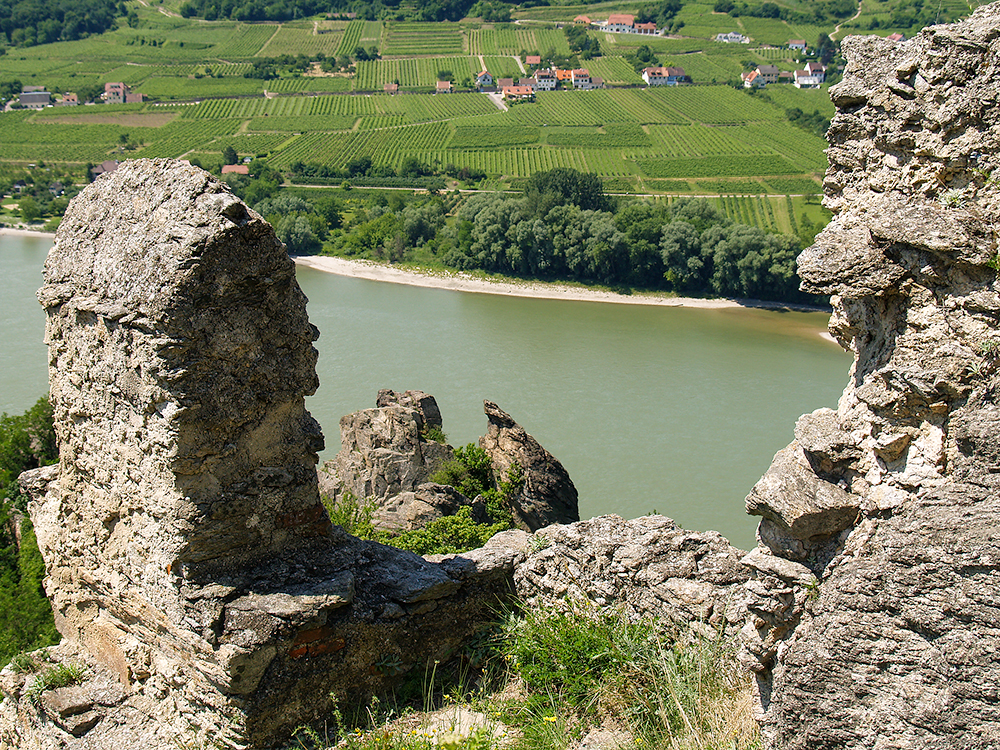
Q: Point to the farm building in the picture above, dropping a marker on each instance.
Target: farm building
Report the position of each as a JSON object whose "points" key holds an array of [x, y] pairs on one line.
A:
{"points": [[621, 23], [732, 38], [625, 24], [799, 44], [120, 93], [518, 93], [391, 88], [34, 97], [235, 169], [443, 87], [664, 76]]}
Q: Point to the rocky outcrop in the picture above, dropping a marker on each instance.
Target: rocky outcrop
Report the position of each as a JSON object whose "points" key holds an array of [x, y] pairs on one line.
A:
{"points": [[874, 620], [385, 451], [547, 494], [189, 559], [388, 456], [649, 566]]}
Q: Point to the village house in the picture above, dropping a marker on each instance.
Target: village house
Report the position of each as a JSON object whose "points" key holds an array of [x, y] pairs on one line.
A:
{"points": [[810, 78], [770, 73], [443, 87], [529, 82], [533, 61], [621, 23], [235, 169], [545, 80], [104, 167], [585, 20], [625, 24], [484, 79], [56, 188], [581, 79], [503, 83], [661, 76], [518, 93], [732, 38], [752, 80], [799, 44], [34, 97], [119, 93], [897, 37], [69, 99]]}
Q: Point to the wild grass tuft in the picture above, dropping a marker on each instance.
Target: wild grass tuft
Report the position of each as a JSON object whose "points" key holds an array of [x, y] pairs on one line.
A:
{"points": [[61, 675]]}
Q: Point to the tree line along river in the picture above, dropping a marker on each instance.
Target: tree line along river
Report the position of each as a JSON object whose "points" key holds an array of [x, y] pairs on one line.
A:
{"points": [[677, 410]]}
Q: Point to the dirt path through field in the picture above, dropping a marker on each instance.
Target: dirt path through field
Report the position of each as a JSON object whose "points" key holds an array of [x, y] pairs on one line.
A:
{"points": [[836, 29]]}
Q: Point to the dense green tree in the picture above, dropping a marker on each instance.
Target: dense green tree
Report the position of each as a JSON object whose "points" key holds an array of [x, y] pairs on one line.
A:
{"points": [[26, 442], [30, 210], [229, 155]]}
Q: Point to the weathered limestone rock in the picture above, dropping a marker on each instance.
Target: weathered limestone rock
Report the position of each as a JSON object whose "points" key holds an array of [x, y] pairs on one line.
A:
{"points": [[428, 502], [189, 558], [548, 495], [425, 403], [386, 457], [649, 566], [384, 451], [896, 643]]}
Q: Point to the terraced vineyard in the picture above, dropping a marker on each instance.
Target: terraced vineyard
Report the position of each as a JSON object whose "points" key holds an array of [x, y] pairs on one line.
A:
{"points": [[423, 39], [706, 139]]}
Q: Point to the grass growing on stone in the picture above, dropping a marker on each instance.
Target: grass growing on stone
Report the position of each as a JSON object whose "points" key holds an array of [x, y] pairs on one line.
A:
{"points": [[58, 676], [551, 677]]}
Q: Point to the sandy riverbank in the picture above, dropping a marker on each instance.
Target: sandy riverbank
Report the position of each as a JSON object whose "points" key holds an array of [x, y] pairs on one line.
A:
{"points": [[27, 233], [460, 282]]}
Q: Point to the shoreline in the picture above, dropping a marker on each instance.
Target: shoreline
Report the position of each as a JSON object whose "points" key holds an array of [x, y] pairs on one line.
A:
{"points": [[19, 232], [461, 282]]}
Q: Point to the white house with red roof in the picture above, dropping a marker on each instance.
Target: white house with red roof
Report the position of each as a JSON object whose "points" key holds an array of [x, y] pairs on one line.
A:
{"points": [[664, 76]]}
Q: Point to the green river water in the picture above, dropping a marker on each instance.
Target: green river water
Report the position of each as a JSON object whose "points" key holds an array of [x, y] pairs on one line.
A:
{"points": [[649, 408]]}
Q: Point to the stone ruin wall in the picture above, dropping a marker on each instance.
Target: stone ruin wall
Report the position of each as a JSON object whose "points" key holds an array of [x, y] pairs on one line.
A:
{"points": [[190, 566], [874, 615]]}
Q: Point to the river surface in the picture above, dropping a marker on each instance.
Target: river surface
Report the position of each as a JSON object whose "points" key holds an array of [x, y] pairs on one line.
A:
{"points": [[672, 410]]}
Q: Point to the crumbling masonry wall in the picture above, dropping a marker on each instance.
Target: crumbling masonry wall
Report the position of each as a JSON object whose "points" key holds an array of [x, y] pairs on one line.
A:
{"points": [[190, 561], [874, 620]]}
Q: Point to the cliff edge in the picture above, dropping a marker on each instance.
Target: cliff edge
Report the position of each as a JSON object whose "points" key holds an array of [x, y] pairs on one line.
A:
{"points": [[875, 620]]}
